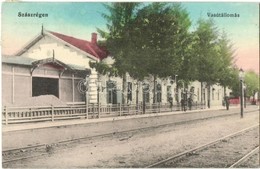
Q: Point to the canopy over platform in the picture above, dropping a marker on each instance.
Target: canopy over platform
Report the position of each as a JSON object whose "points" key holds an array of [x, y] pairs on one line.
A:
{"points": [[33, 64]]}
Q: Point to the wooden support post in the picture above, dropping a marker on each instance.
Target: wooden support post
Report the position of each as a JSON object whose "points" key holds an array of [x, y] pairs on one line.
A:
{"points": [[30, 113], [52, 113], [98, 110], [13, 85], [136, 108], [86, 105], [73, 86], [6, 115], [120, 109], [93, 110]]}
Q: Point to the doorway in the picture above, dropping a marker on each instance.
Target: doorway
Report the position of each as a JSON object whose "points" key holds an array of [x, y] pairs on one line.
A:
{"points": [[45, 86]]}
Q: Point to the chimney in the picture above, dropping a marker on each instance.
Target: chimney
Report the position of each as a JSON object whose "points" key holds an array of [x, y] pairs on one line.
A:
{"points": [[94, 38]]}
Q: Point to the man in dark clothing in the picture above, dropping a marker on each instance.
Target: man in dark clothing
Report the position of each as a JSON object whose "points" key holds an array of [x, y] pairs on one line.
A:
{"points": [[183, 105], [227, 102], [171, 102], [189, 103]]}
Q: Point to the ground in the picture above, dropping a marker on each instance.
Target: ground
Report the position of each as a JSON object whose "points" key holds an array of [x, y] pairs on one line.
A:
{"points": [[140, 148]]}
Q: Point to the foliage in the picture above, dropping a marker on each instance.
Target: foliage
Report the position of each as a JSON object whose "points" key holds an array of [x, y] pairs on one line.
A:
{"points": [[104, 68], [234, 82], [205, 52], [153, 39], [159, 40], [118, 24], [225, 61], [252, 82]]}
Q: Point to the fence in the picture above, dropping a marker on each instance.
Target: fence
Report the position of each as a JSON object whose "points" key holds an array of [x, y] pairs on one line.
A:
{"points": [[12, 115]]}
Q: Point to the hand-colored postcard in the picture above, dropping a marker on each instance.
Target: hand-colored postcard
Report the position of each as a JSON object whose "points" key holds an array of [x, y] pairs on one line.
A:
{"points": [[130, 84]]}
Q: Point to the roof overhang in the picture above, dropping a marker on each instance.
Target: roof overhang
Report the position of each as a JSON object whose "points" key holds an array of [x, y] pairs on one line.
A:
{"points": [[33, 64], [62, 66]]}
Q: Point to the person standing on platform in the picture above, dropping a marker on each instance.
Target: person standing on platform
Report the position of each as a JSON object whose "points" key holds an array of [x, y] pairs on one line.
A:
{"points": [[227, 102]]}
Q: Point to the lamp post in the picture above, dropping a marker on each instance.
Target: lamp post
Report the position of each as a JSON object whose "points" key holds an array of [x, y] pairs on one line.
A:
{"points": [[244, 89], [241, 78]]}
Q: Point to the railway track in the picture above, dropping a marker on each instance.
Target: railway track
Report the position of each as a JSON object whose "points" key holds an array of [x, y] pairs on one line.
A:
{"points": [[245, 158], [45, 149], [199, 148]]}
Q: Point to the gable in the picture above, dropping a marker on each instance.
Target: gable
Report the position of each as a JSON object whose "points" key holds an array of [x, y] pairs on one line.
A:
{"points": [[48, 47], [86, 46]]}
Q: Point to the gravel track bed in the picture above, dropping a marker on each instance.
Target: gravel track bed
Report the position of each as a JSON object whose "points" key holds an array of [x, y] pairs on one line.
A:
{"points": [[251, 162], [220, 155], [141, 148]]}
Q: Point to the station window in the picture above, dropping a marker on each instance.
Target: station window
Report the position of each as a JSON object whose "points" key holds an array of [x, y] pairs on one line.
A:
{"points": [[111, 92], [159, 92], [146, 92]]}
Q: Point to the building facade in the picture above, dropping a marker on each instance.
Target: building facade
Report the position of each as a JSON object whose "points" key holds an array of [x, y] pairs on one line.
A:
{"points": [[57, 64]]}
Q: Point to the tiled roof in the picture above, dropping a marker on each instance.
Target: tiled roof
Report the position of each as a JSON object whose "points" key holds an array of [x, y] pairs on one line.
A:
{"points": [[83, 45]]}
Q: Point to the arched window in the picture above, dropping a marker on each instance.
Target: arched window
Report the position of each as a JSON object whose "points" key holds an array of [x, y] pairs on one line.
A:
{"points": [[111, 92], [146, 93]]}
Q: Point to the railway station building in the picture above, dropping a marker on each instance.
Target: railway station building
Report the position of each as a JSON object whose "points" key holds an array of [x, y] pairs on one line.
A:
{"points": [[56, 64]]}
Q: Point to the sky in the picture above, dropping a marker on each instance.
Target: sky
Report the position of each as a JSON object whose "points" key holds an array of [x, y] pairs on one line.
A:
{"points": [[82, 18]]}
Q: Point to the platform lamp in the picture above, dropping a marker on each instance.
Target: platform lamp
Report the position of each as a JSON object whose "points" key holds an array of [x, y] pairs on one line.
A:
{"points": [[244, 89], [241, 79]]}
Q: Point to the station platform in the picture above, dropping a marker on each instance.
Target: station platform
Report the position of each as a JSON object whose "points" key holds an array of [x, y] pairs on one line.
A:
{"points": [[22, 135], [48, 124]]}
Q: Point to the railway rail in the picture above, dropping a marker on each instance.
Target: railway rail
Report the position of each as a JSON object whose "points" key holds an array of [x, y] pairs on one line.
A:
{"points": [[45, 149], [245, 158], [201, 147]]}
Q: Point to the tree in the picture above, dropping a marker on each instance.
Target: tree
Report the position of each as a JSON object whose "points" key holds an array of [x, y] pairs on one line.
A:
{"points": [[252, 83], [206, 54], [148, 41], [118, 24], [234, 82], [159, 40], [225, 62]]}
